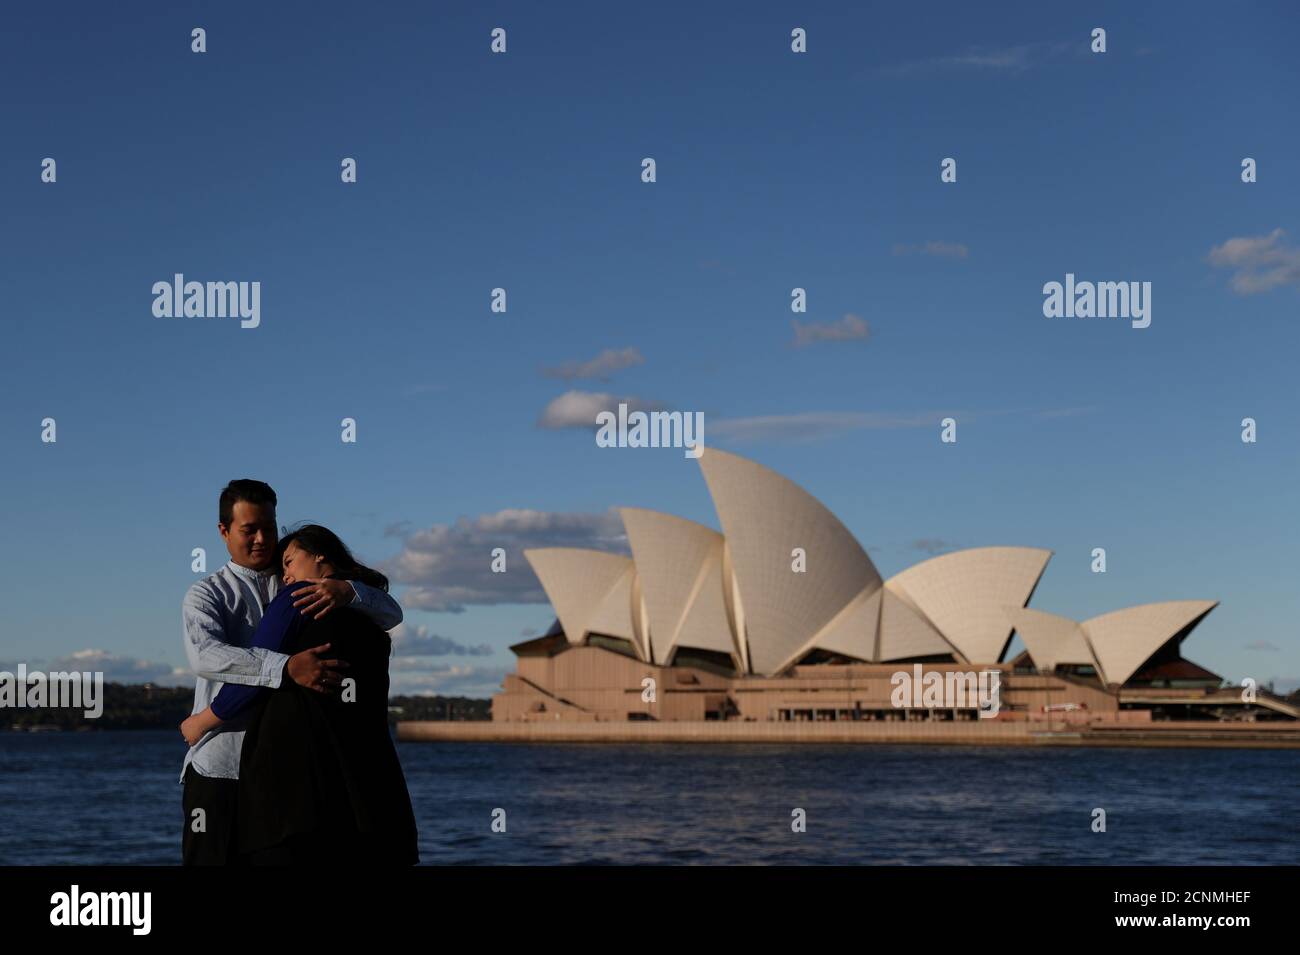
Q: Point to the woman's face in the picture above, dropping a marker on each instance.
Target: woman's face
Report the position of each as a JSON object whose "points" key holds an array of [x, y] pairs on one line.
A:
{"points": [[298, 564]]}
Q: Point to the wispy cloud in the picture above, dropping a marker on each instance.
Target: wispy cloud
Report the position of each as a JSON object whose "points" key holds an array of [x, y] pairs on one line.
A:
{"points": [[1259, 263], [122, 669], [938, 249], [598, 368], [418, 641], [1262, 645], [578, 409], [988, 59], [847, 329], [931, 545], [411, 676], [815, 425], [1063, 412], [449, 566]]}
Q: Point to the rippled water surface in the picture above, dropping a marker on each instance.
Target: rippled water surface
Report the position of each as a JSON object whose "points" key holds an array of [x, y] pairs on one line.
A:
{"points": [[113, 797]]}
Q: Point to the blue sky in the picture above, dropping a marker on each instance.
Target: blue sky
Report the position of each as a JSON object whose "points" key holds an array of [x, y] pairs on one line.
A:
{"points": [[522, 171]]}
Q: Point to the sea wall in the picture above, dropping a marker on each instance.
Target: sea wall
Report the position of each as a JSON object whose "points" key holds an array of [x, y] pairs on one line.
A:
{"points": [[974, 733]]}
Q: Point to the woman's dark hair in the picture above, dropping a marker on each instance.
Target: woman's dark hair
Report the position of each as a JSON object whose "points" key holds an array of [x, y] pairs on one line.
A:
{"points": [[323, 542]]}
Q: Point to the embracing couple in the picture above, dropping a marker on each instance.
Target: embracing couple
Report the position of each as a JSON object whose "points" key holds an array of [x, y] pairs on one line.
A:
{"points": [[290, 758]]}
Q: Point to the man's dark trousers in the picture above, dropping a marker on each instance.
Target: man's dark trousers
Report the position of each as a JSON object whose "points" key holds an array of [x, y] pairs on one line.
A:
{"points": [[217, 844]]}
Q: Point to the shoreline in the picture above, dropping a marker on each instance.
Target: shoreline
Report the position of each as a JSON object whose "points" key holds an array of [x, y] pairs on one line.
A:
{"points": [[1155, 735]]}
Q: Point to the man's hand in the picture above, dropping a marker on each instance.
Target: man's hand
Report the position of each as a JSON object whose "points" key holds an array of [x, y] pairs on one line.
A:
{"points": [[192, 729], [309, 670], [323, 595]]}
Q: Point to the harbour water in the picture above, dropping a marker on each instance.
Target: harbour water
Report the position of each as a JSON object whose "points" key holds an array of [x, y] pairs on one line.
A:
{"points": [[109, 798]]}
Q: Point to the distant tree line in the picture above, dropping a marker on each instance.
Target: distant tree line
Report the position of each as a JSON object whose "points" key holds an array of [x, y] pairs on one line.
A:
{"points": [[126, 706], [438, 708], [137, 706]]}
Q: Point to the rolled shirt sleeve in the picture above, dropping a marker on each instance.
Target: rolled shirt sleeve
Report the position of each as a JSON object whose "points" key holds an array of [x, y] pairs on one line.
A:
{"points": [[376, 604], [279, 625], [212, 658]]}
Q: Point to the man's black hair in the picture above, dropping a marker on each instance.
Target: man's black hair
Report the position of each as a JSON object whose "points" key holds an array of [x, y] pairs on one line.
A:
{"points": [[244, 489]]}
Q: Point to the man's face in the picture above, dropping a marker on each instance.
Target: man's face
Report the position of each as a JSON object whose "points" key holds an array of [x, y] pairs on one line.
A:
{"points": [[251, 536]]}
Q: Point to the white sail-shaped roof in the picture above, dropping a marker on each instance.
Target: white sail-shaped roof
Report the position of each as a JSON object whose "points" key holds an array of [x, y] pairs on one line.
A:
{"points": [[613, 615], [706, 626], [735, 608], [905, 634], [1123, 640], [689, 587], [853, 631], [679, 563], [965, 594], [640, 620], [765, 517], [591, 590], [1050, 639]]}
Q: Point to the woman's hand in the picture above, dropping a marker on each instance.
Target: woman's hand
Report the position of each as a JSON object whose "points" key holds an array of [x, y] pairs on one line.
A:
{"points": [[192, 729]]}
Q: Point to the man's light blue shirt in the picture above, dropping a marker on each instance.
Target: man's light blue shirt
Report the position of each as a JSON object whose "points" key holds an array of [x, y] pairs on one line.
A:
{"points": [[220, 614]]}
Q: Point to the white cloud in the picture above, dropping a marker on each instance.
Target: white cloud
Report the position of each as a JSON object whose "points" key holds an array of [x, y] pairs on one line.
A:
{"points": [[1260, 263], [600, 367], [411, 679], [418, 641], [578, 409], [122, 669], [449, 566]]}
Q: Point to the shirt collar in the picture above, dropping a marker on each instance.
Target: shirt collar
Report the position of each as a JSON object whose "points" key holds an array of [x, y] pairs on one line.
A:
{"points": [[248, 573]]}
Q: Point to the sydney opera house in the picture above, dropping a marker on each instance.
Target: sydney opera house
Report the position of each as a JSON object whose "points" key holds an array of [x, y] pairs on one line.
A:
{"points": [[784, 617]]}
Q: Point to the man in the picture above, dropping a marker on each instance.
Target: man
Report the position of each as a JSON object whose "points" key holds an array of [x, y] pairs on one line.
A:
{"points": [[220, 614]]}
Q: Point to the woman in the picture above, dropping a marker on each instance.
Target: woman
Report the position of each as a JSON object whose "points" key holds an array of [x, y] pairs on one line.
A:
{"points": [[319, 778]]}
